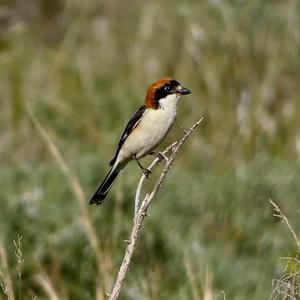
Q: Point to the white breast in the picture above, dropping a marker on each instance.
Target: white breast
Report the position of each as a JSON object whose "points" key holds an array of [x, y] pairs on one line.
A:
{"points": [[154, 128], [151, 130]]}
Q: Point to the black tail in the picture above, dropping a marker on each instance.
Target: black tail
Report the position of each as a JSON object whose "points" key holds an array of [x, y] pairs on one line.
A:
{"points": [[105, 186]]}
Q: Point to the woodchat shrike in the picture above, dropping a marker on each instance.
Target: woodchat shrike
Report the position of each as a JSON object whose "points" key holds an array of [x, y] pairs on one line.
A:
{"points": [[145, 130]]}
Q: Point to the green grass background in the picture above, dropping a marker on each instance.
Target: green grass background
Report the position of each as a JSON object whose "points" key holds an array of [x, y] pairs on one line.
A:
{"points": [[82, 67]]}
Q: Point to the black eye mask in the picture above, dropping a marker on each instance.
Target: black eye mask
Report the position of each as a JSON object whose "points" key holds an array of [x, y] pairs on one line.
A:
{"points": [[166, 90]]}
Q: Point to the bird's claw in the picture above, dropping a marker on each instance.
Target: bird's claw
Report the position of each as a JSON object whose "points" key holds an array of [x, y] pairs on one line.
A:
{"points": [[146, 172], [161, 156]]}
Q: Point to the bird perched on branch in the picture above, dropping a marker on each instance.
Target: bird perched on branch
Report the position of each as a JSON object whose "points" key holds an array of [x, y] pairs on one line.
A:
{"points": [[144, 131]]}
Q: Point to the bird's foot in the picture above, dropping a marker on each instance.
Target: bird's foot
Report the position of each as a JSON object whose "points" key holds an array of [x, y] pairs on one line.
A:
{"points": [[146, 172], [160, 155]]}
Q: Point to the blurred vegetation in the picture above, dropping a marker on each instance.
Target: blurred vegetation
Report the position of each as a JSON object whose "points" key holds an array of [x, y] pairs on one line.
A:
{"points": [[82, 67]]}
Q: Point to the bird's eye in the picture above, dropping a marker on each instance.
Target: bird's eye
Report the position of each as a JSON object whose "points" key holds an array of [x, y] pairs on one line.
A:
{"points": [[168, 89]]}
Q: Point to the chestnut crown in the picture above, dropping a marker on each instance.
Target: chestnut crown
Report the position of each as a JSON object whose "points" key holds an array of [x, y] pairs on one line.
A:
{"points": [[161, 89]]}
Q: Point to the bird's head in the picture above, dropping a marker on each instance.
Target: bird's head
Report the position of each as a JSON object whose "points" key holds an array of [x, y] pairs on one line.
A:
{"points": [[164, 92]]}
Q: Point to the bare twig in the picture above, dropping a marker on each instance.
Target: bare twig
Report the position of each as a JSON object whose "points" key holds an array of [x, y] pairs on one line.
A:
{"points": [[141, 211], [278, 213], [155, 162]]}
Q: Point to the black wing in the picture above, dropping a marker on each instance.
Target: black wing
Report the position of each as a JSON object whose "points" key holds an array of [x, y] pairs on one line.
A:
{"points": [[133, 122]]}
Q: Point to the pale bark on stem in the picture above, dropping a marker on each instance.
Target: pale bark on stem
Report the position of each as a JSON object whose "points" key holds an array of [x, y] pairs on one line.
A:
{"points": [[141, 211], [155, 162]]}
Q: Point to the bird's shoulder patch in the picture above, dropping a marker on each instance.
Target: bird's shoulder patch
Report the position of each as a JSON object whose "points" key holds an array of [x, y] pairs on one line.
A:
{"points": [[131, 125]]}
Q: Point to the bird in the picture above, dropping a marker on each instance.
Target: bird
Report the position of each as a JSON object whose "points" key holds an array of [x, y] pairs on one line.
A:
{"points": [[145, 130]]}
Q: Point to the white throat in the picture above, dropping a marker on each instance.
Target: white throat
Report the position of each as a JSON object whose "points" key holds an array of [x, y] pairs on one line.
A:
{"points": [[169, 102]]}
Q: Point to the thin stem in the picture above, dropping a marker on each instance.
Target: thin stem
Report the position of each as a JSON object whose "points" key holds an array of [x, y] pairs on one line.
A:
{"points": [[155, 162], [142, 212]]}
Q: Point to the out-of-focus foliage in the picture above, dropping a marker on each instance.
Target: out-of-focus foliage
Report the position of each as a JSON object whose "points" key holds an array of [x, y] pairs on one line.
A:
{"points": [[83, 67]]}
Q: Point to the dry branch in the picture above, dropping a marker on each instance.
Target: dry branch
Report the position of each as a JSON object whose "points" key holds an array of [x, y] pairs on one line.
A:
{"points": [[141, 210]]}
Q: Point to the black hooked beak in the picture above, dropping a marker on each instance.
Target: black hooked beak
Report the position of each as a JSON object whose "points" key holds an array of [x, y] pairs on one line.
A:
{"points": [[184, 91]]}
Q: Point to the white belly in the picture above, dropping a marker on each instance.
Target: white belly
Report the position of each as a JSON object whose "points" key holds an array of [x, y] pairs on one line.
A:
{"points": [[153, 127]]}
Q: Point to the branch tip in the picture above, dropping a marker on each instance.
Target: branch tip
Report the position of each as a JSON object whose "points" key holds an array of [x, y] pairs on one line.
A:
{"points": [[140, 211]]}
